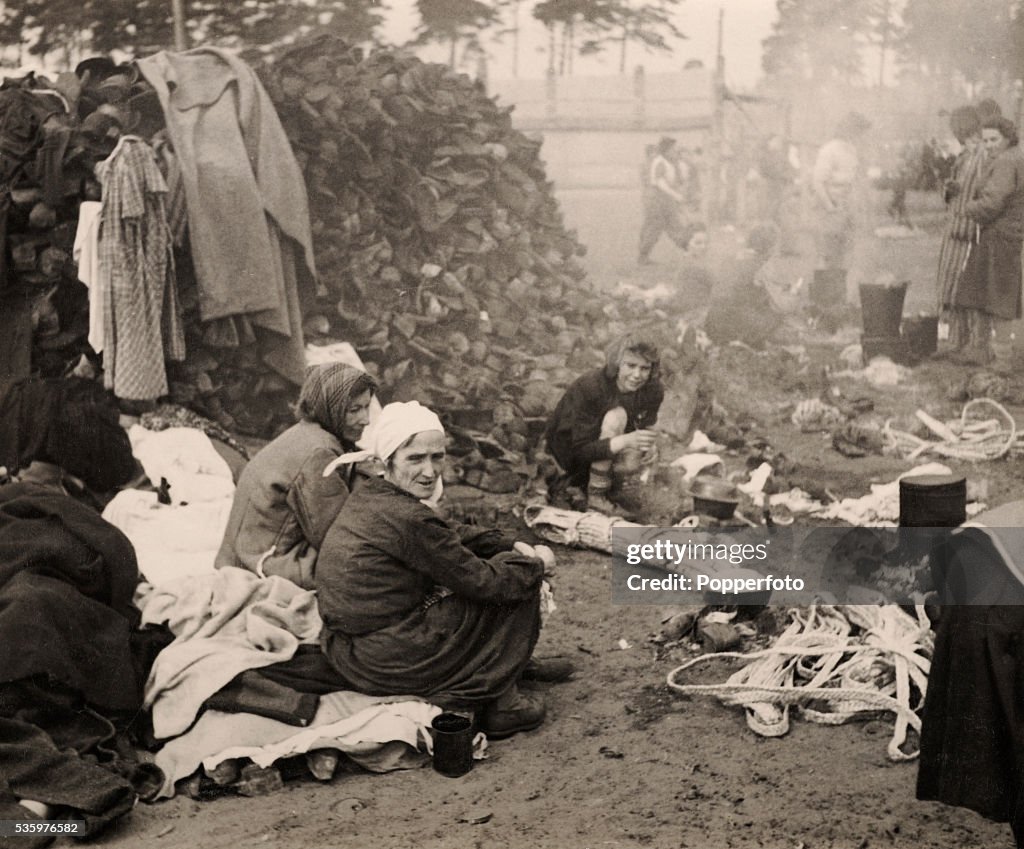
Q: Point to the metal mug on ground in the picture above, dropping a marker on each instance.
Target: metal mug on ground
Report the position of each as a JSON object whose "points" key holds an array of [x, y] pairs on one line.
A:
{"points": [[453, 744]]}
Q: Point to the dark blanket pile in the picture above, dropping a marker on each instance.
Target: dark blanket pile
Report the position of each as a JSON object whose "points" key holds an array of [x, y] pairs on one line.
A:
{"points": [[66, 618], [70, 422]]}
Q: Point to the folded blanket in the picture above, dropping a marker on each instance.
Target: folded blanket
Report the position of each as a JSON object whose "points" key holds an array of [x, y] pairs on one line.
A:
{"points": [[379, 733], [224, 623]]}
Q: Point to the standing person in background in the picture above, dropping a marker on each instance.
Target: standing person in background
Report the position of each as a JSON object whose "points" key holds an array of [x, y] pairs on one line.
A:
{"points": [[778, 176], [698, 177], [685, 173], [836, 172], [968, 328], [662, 201], [991, 281]]}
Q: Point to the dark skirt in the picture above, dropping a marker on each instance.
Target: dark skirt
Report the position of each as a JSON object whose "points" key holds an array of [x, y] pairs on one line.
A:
{"points": [[458, 654], [991, 280], [972, 740]]}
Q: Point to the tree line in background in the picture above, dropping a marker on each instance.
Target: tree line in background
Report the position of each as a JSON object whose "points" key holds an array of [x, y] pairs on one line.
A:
{"points": [[137, 27], [73, 28], [977, 43]]}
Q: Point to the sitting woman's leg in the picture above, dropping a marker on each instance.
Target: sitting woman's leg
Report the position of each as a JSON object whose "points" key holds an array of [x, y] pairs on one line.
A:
{"points": [[613, 424]]}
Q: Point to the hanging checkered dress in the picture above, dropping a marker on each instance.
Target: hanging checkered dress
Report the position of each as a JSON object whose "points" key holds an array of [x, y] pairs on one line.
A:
{"points": [[136, 266]]}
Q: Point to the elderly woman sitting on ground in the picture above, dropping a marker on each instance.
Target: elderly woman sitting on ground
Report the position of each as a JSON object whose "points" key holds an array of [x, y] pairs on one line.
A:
{"points": [[599, 431], [284, 505], [415, 605]]}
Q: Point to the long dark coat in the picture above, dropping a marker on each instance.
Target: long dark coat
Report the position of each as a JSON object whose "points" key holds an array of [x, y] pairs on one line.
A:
{"points": [[382, 576]]}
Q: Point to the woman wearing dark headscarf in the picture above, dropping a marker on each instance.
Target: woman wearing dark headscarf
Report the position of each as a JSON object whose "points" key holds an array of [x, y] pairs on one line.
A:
{"points": [[991, 281], [599, 429], [284, 505], [967, 326]]}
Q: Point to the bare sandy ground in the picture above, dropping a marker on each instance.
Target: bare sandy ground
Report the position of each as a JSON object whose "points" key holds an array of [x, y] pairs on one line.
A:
{"points": [[622, 761]]}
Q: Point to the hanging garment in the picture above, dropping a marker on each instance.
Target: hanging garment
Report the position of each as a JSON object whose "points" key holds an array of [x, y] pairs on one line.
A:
{"points": [[248, 213], [136, 266], [22, 116], [86, 254], [177, 218]]}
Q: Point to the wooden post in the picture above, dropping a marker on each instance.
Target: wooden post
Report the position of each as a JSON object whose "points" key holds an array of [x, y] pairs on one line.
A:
{"points": [[639, 96], [515, 38], [713, 195], [551, 96], [180, 37]]}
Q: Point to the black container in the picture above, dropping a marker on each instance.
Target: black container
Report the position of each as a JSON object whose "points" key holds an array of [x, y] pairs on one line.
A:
{"points": [[453, 744], [933, 501], [882, 346], [881, 308], [920, 336]]}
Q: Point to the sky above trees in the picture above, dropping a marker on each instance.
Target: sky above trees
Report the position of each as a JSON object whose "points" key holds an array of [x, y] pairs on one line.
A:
{"points": [[976, 45]]}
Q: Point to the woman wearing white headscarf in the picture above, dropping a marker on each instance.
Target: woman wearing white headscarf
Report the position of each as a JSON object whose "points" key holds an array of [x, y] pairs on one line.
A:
{"points": [[415, 605]]}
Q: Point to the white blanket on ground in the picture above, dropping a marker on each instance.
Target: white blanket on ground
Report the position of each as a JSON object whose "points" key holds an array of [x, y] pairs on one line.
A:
{"points": [[187, 459], [171, 540], [181, 538], [224, 623], [380, 734]]}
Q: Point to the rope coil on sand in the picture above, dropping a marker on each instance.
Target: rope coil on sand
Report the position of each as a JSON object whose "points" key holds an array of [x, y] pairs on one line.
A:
{"points": [[970, 439], [818, 660]]}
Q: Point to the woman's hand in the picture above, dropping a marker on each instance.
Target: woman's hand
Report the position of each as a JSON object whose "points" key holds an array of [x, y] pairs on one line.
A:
{"points": [[640, 440], [544, 554], [547, 557]]}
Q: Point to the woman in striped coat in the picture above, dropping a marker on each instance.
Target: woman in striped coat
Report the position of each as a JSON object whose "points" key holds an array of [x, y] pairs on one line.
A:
{"points": [[969, 328]]}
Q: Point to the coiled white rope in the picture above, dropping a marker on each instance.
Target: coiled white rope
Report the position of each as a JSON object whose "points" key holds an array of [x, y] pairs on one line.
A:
{"points": [[818, 659], [968, 439]]}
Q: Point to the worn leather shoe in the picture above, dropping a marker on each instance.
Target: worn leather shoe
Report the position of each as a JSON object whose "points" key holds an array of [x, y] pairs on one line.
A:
{"points": [[601, 504], [527, 714], [549, 670]]}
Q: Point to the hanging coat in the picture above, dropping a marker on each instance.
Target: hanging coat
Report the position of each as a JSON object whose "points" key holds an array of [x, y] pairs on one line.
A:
{"points": [[248, 215]]}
